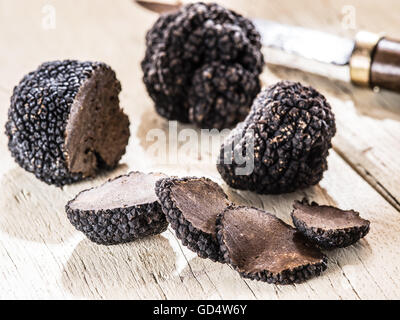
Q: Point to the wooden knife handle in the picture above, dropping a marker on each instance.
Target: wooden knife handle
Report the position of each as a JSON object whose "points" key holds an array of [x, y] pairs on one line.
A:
{"points": [[385, 66]]}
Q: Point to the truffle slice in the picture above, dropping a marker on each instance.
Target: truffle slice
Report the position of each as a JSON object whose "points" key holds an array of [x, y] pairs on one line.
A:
{"points": [[262, 247], [202, 65], [121, 210], [287, 136], [327, 226], [65, 123], [192, 206]]}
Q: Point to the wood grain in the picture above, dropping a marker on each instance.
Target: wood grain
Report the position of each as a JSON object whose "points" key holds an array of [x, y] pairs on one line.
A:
{"points": [[43, 256]]}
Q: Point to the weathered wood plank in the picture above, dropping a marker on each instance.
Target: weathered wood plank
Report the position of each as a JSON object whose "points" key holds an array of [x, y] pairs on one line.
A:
{"points": [[42, 256], [350, 270], [67, 265]]}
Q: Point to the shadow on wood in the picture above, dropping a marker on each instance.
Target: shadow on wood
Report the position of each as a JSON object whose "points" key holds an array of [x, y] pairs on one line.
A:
{"points": [[34, 211], [136, 270]]}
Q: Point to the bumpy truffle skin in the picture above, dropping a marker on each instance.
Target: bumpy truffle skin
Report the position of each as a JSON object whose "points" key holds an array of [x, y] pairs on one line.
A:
{"points": [[38, 116], [292, 127], [285, 277], [202, 65], [196, 240], [119, 225], [333, 238]]}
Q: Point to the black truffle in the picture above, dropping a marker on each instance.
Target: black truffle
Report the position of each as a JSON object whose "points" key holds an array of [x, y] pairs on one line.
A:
{"points": [[121, 210], [202, 65], [262, 247], [329, 227], [65, 122], [191, 206], [287, 136]]}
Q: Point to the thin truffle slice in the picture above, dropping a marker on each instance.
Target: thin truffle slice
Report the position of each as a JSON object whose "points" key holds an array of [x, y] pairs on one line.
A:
{"points": [[65, 123], [262, 247], [191, 206], [327, 226], [121, 210]]}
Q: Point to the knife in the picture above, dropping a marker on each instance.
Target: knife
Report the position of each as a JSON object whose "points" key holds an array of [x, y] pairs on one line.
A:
{"points": [[372, 60]]}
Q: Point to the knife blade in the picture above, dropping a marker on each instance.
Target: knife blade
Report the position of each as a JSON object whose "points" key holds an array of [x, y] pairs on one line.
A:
{"points": [[371, 60], [301, 41]]}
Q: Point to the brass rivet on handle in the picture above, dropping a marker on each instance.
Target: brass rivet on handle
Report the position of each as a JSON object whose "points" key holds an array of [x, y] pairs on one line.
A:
{"points": [[361, 59]]}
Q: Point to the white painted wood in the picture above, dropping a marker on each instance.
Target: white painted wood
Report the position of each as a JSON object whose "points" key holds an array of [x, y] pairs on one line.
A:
{"points": [[43, 256]]}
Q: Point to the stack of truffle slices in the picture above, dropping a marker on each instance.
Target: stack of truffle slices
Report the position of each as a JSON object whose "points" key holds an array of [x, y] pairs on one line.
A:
{"points": [[255, 243]]}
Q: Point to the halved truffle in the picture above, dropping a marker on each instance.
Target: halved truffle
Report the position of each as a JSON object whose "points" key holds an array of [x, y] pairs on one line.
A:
{"points": [[327, 226], [191, 206], [202, 65], [262, 247], [285, 141], [65, 123], [121, 210]]}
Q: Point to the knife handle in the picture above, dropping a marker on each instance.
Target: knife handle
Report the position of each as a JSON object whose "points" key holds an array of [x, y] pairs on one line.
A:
{"points": [[385, 65], [375, 61]]}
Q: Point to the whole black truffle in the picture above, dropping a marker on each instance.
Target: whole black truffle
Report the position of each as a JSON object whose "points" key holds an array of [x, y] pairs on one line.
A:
{"points": [[121, 210], [329, 227], [191, 206], [286, 136], [65, 122], [262, 247], [202, 65]]}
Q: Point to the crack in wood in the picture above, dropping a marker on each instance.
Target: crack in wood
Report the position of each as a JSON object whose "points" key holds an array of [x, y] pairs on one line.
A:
{"points": [[389, 194], [371, 180], [187, 261], [213, 284], [251, 290], [371, 276], [276, 290], [159, 286], [348, 280], [87, 282], [333, 288]]}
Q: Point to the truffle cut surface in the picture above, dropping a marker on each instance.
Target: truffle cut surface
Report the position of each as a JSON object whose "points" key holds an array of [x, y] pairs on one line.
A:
{"points": [[65, 123], [262, 247], [328, 226], [200, 202], [97, 129], [130, 190], [191, 206], [121, 210]]}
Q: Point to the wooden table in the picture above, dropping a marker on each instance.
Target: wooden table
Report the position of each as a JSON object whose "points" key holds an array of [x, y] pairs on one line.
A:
{"points": [[43, 256]]}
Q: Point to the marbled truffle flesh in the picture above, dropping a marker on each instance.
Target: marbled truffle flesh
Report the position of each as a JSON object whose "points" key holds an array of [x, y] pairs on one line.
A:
{"points": [[327, 226], [262, 247], [192, 206]]}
